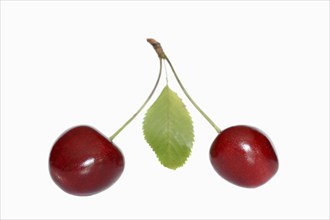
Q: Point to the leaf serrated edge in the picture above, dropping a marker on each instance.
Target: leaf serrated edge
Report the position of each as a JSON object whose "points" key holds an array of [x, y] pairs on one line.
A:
{"points": [[193, 133]]}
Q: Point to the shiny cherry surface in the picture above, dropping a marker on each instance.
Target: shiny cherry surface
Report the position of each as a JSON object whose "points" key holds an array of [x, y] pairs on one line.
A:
{"points": [[83, 162], [244, 156]]}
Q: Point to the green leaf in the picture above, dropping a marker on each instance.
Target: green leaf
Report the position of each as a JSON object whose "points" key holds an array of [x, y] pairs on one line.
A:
{"points": [[168, 129]]}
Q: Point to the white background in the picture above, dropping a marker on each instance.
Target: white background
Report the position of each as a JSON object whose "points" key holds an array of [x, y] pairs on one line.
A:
{"points": [[264, 64]]}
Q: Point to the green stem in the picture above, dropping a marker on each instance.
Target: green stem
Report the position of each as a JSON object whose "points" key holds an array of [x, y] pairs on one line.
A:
{"points": [[138, 111], [190, 99]]}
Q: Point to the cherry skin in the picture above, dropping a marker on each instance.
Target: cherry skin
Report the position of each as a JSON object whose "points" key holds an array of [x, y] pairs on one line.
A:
{"points": [[83, 162], [244, 156]]}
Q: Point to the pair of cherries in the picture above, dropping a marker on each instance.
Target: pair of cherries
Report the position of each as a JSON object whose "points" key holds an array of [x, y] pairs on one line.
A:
{"points": [[84, 162]]}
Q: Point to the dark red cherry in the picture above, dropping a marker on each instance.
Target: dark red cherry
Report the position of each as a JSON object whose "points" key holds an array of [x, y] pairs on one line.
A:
{"points": [[244, 156], [83, 162]]}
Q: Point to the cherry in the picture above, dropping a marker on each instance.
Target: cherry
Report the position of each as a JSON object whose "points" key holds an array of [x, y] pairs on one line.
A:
{"points": [[83, 162], [244, 156]]}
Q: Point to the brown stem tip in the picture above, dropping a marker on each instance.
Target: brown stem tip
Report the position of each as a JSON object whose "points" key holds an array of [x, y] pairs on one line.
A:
{"points": [[158, 48]]}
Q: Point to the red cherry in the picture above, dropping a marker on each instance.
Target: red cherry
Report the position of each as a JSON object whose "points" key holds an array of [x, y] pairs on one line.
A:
{"points": [[83, 162], [244, 156]]}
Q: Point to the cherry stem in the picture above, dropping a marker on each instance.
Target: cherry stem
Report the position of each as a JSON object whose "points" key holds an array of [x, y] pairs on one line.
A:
{"points": [[140, 109], [160, 52], [190, 99]]}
